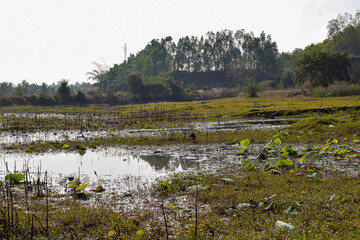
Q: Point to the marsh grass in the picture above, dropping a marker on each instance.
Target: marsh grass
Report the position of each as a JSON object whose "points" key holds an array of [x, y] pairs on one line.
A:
{"points": [[337, 91], [327, 209], [328, 205], [157, 115]]}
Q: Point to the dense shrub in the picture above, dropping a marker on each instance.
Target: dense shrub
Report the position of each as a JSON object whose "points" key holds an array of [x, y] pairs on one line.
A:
{"points": [[18, 100], [80, 98]]}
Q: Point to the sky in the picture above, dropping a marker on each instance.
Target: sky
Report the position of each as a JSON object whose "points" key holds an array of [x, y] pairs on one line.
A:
{"points": [[50, 40]]}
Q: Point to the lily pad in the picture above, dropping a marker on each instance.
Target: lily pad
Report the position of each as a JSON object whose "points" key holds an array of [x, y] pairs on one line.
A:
{"points": [[268, 146], [65, 146], [82, 147], [277, 141], [99, 189], [176, 179], [285, 162], [245, 143], [15, 178], [288, 151]]}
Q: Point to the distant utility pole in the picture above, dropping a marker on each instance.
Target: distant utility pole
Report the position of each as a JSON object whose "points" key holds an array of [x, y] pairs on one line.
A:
{"points": [[125, 52]]}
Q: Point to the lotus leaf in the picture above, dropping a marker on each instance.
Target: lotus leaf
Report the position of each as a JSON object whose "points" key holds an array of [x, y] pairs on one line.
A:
{"points": [[245, 143], [285, 162]]}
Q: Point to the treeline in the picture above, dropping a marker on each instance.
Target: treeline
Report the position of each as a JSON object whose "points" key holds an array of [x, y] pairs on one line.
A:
{"points": [[64, 94], [242, 56], [217, 51], [335, 59], [26, 88], [187, 69]]}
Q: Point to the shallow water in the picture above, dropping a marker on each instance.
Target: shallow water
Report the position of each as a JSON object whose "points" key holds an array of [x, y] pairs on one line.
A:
{"points": [[121, 169], [118, 169], [25, 137]]}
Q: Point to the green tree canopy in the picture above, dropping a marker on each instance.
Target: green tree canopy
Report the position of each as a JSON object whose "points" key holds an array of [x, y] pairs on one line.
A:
{"points": [[135, 83], [216, 51], [64, 89], [322, 68]]}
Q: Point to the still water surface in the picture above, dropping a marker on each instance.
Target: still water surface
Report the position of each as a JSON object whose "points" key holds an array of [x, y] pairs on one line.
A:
{"points": [[111, 166]]}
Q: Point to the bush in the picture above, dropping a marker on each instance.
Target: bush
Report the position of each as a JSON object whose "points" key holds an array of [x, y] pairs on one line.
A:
{"points": [[252, 88], [46, 100], [5, 101], [18, 100], [287, 79], [32, 99], [80, 98]]}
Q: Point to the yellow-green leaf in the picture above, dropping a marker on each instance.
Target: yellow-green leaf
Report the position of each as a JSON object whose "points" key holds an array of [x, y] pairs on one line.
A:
{"points": [[140, 232], [65, 146], [74, 184], [81, 187], [302, 159], [82, 147], [241, 152], [99, 189], [245, 143], [285, 162], [277, 141], [342, 151]]}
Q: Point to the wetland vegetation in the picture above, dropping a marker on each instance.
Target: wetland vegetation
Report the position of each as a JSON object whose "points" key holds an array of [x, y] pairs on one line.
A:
{"points": [[225, 169], [112, 160]]}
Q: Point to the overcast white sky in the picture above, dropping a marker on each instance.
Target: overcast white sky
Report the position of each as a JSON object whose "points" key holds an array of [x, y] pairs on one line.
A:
{"points": [[50, 40]]}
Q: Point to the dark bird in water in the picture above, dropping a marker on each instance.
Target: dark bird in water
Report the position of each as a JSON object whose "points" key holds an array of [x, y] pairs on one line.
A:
{"points": [[192, 136]]}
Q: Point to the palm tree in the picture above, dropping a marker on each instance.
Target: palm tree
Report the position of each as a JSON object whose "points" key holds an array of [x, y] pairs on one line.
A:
{"points": [[98, 74]]}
